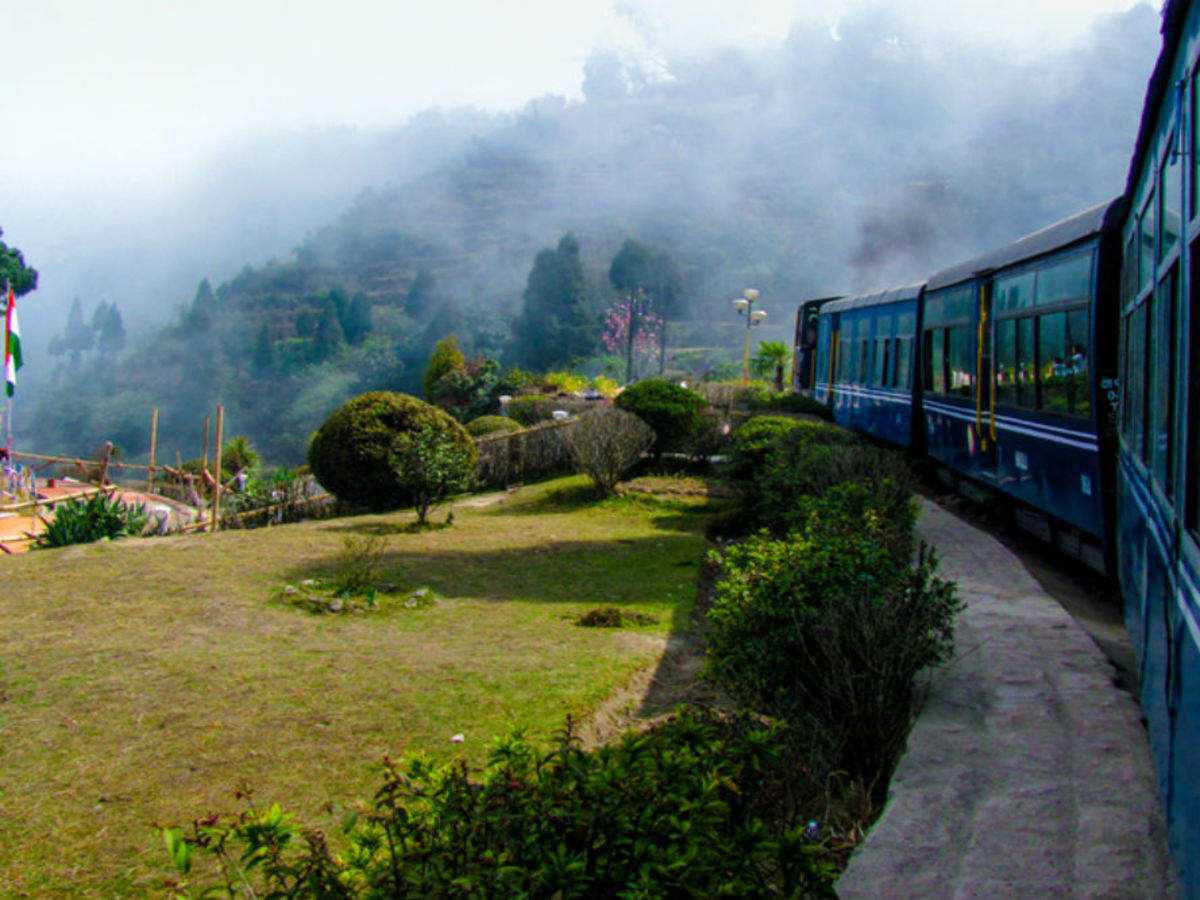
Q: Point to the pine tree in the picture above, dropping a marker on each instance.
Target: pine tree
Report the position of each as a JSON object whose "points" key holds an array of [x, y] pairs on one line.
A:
{"points": [[109, 328], [329, 338], [199, 315], [556, 326], [263, 355], [78, 338], [357, 321], [419, 300]]}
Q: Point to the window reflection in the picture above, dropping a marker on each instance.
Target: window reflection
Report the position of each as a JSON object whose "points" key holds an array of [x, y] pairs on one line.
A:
{"points": [[1062, 358]]}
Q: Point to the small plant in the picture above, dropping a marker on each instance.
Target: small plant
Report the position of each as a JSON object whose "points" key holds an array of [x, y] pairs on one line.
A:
{"points": [[82, 521], [606, 443], [565, 382], [432, 464], [359, 565], [605, 387]]}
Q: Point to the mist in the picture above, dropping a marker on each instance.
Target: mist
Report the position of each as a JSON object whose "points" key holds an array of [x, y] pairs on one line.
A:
{"points": [[827, 162]]}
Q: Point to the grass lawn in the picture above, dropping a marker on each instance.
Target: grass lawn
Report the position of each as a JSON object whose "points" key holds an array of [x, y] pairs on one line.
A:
{"points": [[142, 681]]}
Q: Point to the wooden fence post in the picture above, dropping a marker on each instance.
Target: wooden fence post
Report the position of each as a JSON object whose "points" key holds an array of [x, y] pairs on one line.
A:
{"points": [[153, 446], [216, 511]]}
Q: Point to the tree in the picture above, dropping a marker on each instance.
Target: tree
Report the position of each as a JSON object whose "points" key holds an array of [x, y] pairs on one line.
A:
{"points": [[108, 328], [78, 338], [651, 284], [420, 295], [556, 326], [199, 314], [356, 323], [263, 355], [329, 337], [386, 450], [14, 271], [771, 358], [445, 359]]}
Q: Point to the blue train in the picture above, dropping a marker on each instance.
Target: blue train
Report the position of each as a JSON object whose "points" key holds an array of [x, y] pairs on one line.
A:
{"points": [[1062, 372]]}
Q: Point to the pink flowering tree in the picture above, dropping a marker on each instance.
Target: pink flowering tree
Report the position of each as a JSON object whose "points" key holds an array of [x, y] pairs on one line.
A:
{"points": [[633, 332]]}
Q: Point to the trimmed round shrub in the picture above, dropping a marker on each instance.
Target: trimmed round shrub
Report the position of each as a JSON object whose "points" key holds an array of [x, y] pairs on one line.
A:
{"points": [[530, 409], [492, 425], [605, 443], [671, 411], [364, 452], [750, 441]]}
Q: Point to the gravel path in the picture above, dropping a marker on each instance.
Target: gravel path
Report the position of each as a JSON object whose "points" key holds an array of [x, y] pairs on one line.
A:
{"points": [[1028, 771]]}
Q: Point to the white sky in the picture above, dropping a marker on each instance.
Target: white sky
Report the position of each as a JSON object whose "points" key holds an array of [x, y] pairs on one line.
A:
{"points": [[136, 91]]}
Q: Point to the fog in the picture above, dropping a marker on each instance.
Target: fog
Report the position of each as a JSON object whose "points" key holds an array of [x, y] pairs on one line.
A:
{"points": [[823, 161]]}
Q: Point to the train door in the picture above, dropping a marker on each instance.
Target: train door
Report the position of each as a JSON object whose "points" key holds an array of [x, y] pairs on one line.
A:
{"points": [[985, 385]]}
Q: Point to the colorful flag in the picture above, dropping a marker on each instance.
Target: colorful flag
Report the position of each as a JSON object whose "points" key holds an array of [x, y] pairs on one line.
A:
{"points": [[12, 344]]}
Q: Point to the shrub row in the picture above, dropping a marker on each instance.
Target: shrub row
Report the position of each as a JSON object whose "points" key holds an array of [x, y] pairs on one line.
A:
{"points": [[821, 618], [695, 807]]}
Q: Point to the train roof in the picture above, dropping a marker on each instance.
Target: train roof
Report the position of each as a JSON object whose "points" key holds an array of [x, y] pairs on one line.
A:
{"points": [[1053, 237], [877, 298], [1173, 16]]}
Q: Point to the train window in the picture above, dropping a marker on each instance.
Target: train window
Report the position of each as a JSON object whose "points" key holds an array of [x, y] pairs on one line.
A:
{"points": [[935, 360], [864, 360], [881, 362], [1162, 367], [1146, 242], [903, 366], [960, 357], [1063, 363], [845, 359], [1192, 378], [1129, 264], [1194, 134], [952, 305], [1171, 188], [1014, 292], [1127, 378], [1009, 386], [1027, 360], [1138, 387], [1067, 279]]}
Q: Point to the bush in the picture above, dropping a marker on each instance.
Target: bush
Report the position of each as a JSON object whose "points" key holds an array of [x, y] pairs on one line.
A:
{"points": [[671, 411], [787, 401], [697, 807], [492, 425], [829, 631], [564, 382], [529, 409], [749, 443], [605, 443], [82, 521], [807, 462], [385, 450]]}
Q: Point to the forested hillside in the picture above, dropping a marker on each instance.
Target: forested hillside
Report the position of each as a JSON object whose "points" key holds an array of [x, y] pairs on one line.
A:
{"points": [[827, 164]]}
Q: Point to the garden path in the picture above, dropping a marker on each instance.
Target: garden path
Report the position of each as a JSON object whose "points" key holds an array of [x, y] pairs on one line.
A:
{"points": [[1028, 771]]}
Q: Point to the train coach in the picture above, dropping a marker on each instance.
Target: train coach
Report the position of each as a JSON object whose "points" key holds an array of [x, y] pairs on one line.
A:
{"points": [[1062, 371], [1001, 371]]}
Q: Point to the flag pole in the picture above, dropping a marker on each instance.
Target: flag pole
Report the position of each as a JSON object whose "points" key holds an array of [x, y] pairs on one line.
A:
{"points": [[8, 300]]}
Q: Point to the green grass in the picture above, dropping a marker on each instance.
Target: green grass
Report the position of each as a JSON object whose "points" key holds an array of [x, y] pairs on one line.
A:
{"points": [[142, 681]]}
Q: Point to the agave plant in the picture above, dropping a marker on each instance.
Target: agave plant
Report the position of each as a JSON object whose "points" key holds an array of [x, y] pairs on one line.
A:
{"points": [[81, 521]]}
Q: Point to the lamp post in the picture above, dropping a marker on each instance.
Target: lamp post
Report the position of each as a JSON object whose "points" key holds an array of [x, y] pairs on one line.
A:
{"points": [[745, 306]]}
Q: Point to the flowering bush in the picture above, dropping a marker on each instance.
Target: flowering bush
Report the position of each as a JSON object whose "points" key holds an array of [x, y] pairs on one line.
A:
{"points": [[647, 328]]}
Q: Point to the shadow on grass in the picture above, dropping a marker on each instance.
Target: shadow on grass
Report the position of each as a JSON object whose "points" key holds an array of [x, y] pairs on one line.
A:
{"points": [[599, 573], [384, 529]]}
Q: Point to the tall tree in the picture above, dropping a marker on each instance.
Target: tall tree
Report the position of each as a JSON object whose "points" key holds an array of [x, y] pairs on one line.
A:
{"points": [[420, 295], [78, 338], [356, 322], [329, 337], [556, 325], [108, 328], [629, 274], [14, 271], [200, 313], [263, 355], [651, 283]]}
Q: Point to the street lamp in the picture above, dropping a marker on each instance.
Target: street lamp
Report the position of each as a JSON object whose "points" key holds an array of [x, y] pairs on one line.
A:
{"points": [[745, 306]]}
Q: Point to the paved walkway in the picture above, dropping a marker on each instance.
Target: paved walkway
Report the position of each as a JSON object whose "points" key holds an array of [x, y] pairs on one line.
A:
{"points": [[1028, 772]]}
